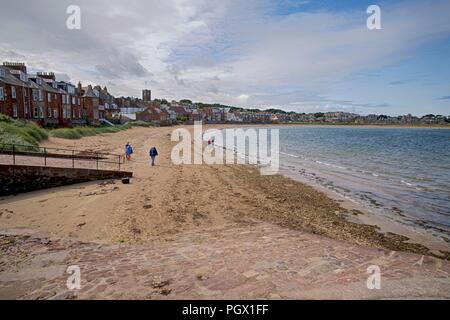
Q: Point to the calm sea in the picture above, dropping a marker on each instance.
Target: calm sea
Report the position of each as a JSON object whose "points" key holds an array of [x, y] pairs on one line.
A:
{"points": [[401, 173]]}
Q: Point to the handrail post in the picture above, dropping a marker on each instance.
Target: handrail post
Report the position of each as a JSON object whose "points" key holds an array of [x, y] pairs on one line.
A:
{"points": [[14, 154], [73, 159], [119, 161], [45, 157], [97, 160]]}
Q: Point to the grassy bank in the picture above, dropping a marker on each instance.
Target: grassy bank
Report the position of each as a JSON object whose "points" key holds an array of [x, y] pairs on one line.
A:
{"points": [[80, 132], [20, 133], [27, 133]]}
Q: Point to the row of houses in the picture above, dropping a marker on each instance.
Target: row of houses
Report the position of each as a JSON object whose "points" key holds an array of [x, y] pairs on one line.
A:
{"points": [[174, 112], [41, 98]]}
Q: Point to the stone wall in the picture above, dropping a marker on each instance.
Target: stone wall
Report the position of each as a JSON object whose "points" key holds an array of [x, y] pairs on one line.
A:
{"points": [[19, 179]]}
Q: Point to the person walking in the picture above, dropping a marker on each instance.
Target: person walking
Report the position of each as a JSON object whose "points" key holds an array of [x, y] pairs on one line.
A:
{"points": [[128, 151], [153, 154]]}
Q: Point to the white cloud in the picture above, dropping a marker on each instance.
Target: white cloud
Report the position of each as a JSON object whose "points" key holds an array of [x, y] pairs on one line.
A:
{"points": [[243, 98], [215, 50]]}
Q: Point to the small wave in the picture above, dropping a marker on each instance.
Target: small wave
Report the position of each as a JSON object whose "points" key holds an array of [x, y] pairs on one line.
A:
{"points": [[330, 165], [407, 183], [290, 155]]}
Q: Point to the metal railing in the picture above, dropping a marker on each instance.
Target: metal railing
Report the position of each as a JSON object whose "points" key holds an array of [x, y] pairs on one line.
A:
{"points": [[20, 154]]}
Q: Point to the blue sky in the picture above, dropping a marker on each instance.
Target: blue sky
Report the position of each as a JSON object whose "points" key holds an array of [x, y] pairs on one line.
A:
{"points": [[304, 55]]}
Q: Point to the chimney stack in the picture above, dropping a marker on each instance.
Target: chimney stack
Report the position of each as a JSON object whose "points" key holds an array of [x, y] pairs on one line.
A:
{"points": [[20, 66], [47, 75]]}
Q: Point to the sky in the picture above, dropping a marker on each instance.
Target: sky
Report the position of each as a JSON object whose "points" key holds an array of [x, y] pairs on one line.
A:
{"points": [[303, 56]]}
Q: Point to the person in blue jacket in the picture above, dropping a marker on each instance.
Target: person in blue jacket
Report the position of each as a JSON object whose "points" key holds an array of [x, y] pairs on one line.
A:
{"points": [[128, 151], [153, 154]]}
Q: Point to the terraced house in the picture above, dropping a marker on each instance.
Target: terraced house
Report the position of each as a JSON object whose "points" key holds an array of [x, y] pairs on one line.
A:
{"points": [[15, 92], [41, 98], [90, 102]]}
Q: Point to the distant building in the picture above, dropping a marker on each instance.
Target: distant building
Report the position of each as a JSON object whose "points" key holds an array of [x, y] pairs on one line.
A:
{"points": [[156, 114], [90, 103], [147, 95]]}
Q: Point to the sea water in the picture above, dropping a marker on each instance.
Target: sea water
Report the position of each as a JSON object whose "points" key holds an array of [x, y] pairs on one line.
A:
{"points": [[401, 173]]}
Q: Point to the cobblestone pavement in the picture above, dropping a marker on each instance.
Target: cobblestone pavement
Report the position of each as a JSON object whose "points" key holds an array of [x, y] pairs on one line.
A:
{"points": [[259, 260]]}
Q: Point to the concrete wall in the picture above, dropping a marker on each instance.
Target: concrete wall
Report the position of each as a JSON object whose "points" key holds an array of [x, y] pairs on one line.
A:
{"points": [[19, 179]]}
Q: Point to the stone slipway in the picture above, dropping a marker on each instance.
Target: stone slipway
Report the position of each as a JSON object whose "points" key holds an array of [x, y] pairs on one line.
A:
{"points": [[234, 262]]}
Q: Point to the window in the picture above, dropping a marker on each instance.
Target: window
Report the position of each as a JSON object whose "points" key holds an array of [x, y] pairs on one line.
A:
{"points": [[49, 112], [55, 113], [2, 94], [35, 95], [35, 112], [49, 97], [2, 73], [15, 111], [13, 92], [41, 95], [74, 100]]}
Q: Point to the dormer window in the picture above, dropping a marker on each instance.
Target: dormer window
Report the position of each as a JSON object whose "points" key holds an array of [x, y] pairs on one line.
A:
{"points": [[55, 85], [23, 77], [39, 81], [2, 73]]}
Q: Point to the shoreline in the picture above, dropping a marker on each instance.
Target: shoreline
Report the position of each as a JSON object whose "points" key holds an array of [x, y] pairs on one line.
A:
{"points": [[360, 214], [167, 200], [357, 213], [393, 126]]}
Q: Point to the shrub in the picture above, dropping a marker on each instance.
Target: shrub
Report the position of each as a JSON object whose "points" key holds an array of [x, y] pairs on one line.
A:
{"points": [[79, 132], [66, 134]]}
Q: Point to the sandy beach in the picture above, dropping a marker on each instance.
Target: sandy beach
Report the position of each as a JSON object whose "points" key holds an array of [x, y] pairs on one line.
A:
{"points": [[167, 203]]}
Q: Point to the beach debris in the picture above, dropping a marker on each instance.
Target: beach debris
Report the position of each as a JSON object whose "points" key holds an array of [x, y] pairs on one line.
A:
{"points": [[165, 292], [126, 180], [202, 277], [147, 206], [104, 183], [158, 283], [97, 193], [357, 212]]}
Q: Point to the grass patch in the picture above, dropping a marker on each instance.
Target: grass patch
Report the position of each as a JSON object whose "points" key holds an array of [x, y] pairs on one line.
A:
{"points": [[29, 134], [20, 133], [79, 132]]}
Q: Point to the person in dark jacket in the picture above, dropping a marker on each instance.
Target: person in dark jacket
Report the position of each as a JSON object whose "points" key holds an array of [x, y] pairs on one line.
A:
{"points": [[153, 154]]}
